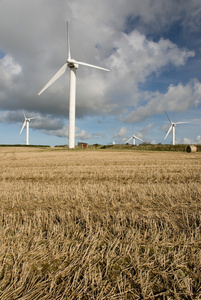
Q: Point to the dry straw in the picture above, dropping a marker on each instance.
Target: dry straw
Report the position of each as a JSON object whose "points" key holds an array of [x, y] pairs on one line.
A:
{"points": [[99, 224]]}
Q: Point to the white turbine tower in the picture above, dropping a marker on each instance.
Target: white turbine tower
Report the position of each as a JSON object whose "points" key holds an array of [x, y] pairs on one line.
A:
{"points": [[73, 65], [134, 137], [172, 127], [26, 122]]}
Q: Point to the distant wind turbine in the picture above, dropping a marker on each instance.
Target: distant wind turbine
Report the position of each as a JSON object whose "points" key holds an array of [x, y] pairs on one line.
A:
{"points": [[172, 127], [26, 122], [72, 64], [134, 137]]}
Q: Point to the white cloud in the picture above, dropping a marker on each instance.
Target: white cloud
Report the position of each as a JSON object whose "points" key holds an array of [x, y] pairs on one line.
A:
{"points": [[9, 70], [10, 66], [177, 98], [82, 134], [137, 56], [11, 116], [196, 141], [47, 123], [121, 135], [188, 141], [134, 59], [63, 132]]}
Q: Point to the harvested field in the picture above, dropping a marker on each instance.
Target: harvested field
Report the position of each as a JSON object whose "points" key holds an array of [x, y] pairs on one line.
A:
{"points": [[100, 224]]}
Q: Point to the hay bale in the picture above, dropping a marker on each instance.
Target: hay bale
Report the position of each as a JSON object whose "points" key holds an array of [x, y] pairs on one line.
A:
{"points": [[191, 148]]}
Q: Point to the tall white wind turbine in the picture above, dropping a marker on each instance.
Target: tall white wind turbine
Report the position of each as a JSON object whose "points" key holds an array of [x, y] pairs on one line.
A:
{"points": [[26, 123], [172, 127], [134, 137], [72, 64]]}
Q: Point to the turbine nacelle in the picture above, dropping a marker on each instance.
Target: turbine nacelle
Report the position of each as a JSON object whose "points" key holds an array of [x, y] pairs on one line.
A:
{"points": [[72, 63]]}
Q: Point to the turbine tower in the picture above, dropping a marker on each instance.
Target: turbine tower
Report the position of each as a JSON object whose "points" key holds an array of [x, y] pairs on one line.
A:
{"points": [[72, 64], [26, 122], [134, 137], [172, 127]]}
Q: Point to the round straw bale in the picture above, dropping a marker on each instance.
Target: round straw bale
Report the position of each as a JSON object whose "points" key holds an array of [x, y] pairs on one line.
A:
{"points": [[191, 148]]}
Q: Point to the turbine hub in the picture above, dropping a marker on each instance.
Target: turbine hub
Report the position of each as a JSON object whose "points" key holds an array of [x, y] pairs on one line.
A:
{"points": [[72, 64]]}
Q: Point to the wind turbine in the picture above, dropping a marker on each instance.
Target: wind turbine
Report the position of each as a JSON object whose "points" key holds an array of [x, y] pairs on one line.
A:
{"points": [[134, 137], [72, 64], [172, 127], [26, 122]]}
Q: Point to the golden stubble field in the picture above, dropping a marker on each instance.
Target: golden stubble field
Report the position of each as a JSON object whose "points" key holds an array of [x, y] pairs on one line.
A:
{"points": [[99, 224]]}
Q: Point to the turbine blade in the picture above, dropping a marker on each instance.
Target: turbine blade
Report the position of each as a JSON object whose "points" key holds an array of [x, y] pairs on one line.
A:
{"points": [[23, 126], [24, 114], [128, 140], [54, 78], [33, 118], [169, 118], [168, 132], [181, 123], [68, 42], [138, 138], [89, 65]]}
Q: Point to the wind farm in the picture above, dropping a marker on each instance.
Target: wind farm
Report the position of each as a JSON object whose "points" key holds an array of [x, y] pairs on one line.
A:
{"points": [[73, 64]]}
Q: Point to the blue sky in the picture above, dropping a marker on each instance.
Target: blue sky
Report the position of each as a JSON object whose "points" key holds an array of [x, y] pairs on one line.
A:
{"points": [[153, 51]]}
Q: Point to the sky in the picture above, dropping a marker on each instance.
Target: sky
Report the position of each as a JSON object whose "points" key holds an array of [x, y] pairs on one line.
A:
{"points": [[151, 47]]}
